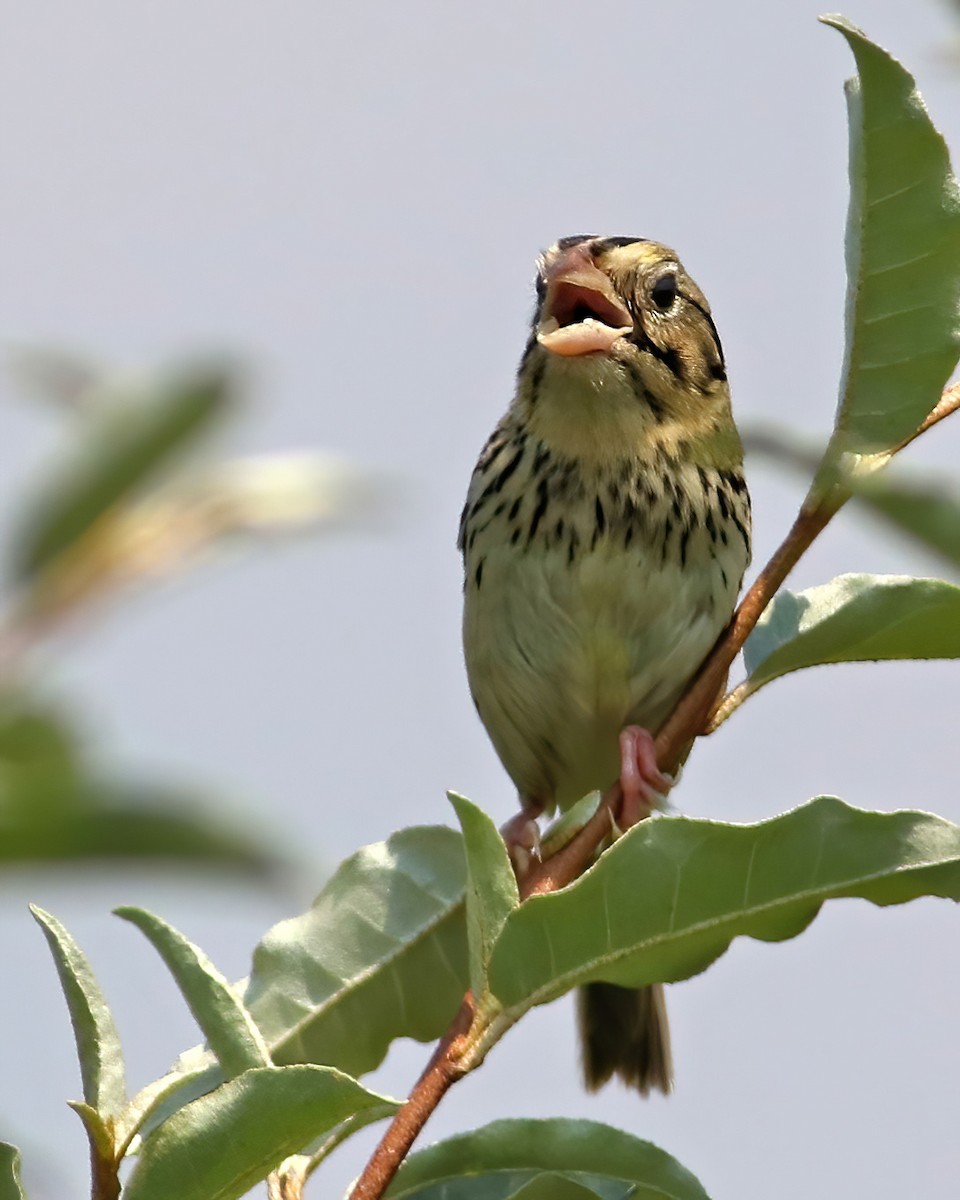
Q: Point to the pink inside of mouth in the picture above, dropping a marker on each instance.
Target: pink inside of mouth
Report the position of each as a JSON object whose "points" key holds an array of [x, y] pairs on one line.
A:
{"points": [[581, 320]]}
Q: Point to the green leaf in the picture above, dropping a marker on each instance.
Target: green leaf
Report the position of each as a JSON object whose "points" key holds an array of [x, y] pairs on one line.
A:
{"points": [[120, 449], [667, 899], [320, 1148], [216, 1007], [220, 1145], [380, 955], [854, 618], [494, 1162], [10, 1185], [152, 1104], [98, 1043], [903, 257], [492, 892]]}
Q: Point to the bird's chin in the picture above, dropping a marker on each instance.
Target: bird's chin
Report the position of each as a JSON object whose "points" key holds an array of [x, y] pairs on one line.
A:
{"points": [[585, 337]]}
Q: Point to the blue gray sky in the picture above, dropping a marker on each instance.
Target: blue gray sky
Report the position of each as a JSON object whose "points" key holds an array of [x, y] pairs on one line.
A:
{"points": [[349, 200]]}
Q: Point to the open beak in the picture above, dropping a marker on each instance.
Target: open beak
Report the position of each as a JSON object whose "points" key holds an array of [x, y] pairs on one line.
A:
{"points": [[582, 314]]}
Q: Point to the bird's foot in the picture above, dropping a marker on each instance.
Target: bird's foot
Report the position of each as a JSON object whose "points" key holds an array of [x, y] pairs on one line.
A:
{"points": [[643, 784], [521, 836]]}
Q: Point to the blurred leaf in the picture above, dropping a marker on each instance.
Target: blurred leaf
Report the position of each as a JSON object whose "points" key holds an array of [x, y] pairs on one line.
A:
{"points": [[220, 1145], [854, 618], [903, 257], [667, 899], [494, 1162], [64, 377], [10, 1185], [54, 808], [95, 824], [274, 493], [926, 512], [216, 1007], [925, 509], [380, 955], [178, 525], [39, 755], [120, 450], [98, 1043], [491, 886]]}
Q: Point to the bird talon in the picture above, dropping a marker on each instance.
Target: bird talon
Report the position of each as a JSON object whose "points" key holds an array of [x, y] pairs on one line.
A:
{"points": [[521, 836], [644, 785]]}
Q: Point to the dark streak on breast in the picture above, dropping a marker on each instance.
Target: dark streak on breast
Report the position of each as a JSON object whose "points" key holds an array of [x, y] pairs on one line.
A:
{"points": [[538, 512]]}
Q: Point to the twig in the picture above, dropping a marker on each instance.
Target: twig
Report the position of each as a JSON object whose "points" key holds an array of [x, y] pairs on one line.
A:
{"points": [[440, 1073]]}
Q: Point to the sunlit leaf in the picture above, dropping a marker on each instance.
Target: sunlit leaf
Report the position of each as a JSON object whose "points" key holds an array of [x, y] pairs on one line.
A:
{"points": [[495, 1162], [380, 955], [854, 618], [151, 1105], [218, 1010], [669, 897], [95, 1032], [491, 886], [903, 256], [222, 1144]]}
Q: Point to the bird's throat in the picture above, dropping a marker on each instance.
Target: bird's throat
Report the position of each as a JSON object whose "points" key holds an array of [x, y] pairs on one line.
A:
{"points": [[585, 410]]}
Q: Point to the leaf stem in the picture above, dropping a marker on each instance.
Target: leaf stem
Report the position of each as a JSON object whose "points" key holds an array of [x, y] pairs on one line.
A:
{"points": [[948, 403]]}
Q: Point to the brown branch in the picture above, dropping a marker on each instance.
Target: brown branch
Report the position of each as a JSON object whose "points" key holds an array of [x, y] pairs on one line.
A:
{"points": [[440, 1073], [689, 719]]}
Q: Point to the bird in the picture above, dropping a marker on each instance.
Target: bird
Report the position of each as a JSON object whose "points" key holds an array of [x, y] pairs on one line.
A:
{"points": [[605, 536]]}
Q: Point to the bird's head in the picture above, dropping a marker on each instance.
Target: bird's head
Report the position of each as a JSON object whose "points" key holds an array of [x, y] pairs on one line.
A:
{"points": [[622, 341]]}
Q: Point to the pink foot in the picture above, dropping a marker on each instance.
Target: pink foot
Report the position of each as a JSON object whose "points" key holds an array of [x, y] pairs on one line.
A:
{"points": [[641, 780], [521, 835]]}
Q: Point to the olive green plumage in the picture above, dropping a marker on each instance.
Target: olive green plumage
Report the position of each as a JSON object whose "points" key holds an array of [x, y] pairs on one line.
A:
{"points": [[605, 535]]}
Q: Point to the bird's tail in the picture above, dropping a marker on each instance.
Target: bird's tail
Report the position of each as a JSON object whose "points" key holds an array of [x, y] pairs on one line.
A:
{"points": [[624, 1031]]}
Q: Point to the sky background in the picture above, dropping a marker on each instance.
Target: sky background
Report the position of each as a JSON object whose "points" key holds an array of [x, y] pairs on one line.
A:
{"points": [[348, 200]]}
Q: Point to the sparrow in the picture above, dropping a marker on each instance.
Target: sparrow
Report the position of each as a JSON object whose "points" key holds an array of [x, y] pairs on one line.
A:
{"points": [[604, 539]]}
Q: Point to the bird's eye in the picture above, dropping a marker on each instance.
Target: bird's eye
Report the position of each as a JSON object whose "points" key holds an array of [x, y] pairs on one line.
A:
{"points": [[664, 292]]}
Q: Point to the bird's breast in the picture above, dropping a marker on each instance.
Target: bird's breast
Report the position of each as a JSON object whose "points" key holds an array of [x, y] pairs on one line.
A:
{"points": [[590, 602]]}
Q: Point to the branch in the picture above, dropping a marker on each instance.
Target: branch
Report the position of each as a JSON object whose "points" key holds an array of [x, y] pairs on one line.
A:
{"points": [[440, 1073]]}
